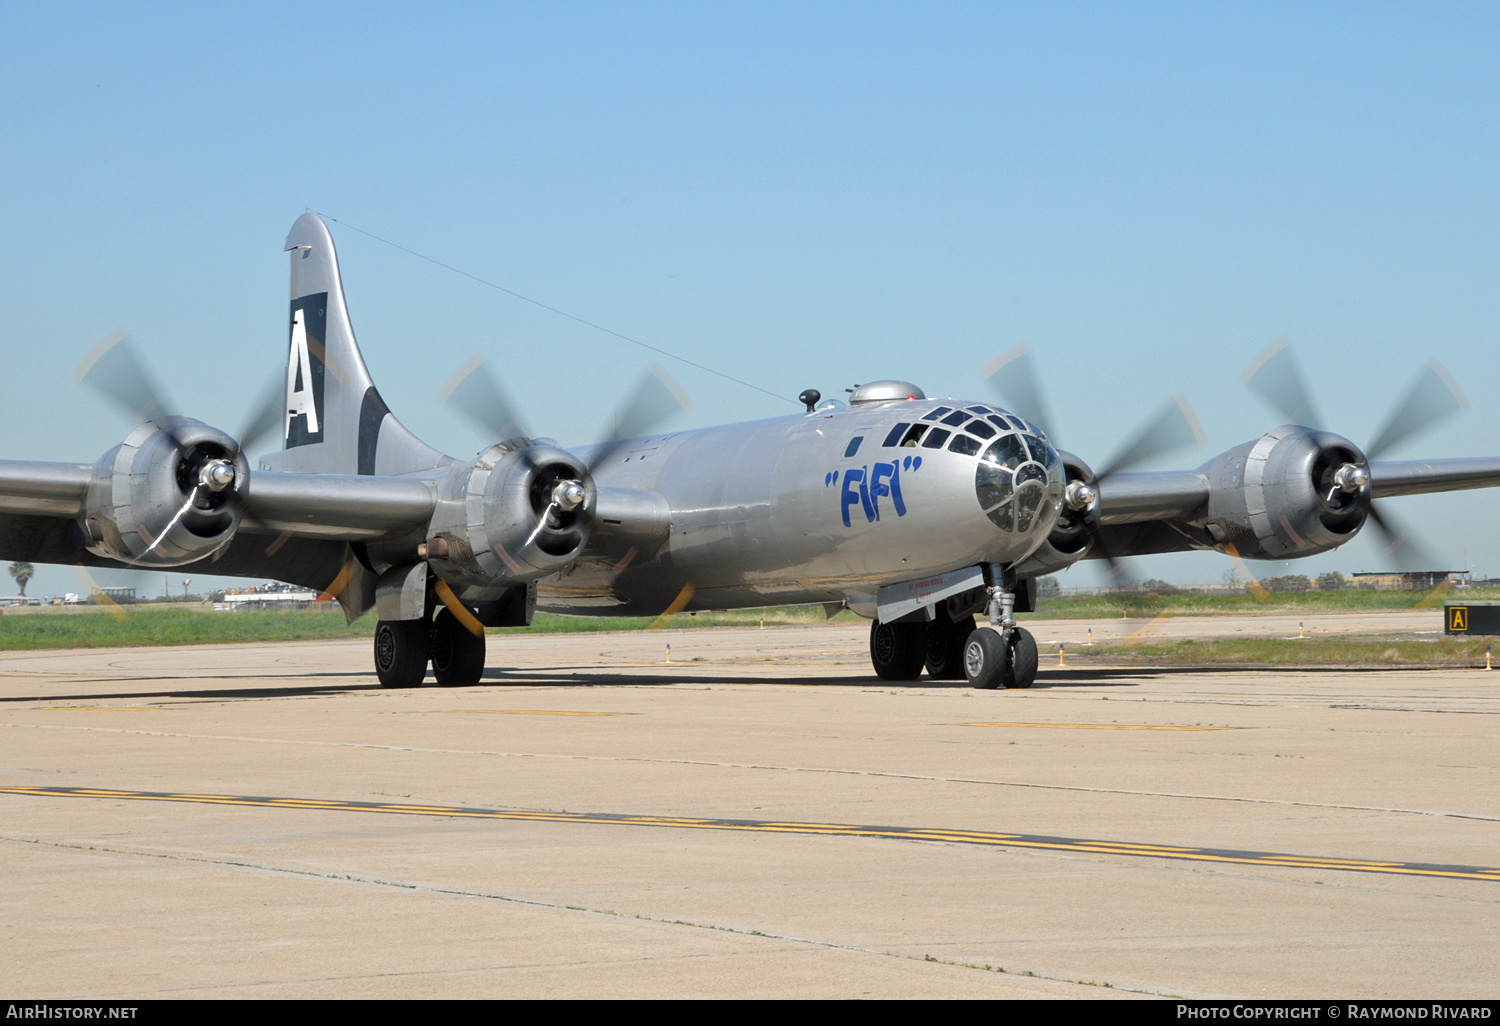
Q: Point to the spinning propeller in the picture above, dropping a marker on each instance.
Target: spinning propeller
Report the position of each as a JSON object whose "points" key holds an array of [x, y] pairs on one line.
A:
{"points": [[558, 490], [473, 390], [1013, 378], [115, 369], [1433, 396], [207, 471]]}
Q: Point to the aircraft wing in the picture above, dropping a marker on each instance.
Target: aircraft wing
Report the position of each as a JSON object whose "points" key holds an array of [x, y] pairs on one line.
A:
{"points": [[346, 507], [1169, 495], [1417, 477], [342, 506], [46, 489], [1165, 495], [1260, 500]]}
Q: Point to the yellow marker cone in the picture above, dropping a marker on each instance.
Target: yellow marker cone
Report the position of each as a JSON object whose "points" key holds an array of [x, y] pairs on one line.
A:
{"points": [[669, 651], [1299, 629], [1059, 653], [1486, 657], [1091, 635]]}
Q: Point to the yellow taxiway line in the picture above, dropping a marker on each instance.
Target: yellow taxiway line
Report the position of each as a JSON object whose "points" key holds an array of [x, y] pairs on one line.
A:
{"points": [[1088, 726], [975, 837]]}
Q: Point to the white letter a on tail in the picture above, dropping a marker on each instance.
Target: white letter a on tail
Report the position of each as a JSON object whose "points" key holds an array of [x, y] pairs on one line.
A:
{"points": [[299, 380]]}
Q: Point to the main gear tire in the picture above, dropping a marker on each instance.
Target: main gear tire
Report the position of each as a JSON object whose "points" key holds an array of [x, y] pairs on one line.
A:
{"points": [[945, 646], [457, 652], [401, 652], [898, 650]]}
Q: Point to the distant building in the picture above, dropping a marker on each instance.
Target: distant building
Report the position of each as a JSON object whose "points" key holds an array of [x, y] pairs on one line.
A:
{"points": [[1416, 580], [267, 596]]}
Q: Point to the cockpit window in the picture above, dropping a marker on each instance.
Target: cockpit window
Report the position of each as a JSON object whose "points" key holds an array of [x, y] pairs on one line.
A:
{"points": [[1000, 422], [1007, 451], [978, 409], [956, 418], [853, 446], [965, 445], [894, 438], [935, 414], [980, 428], [913, 436], [1043, 453], [935, 438]]}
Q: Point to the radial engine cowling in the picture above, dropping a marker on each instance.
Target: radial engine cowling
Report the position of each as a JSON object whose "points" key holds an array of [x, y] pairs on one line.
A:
{"points": [[1292, 492], [518, 512], [167, 495]]}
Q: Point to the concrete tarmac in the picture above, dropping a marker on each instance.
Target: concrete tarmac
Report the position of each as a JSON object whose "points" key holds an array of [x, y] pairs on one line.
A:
{"points": [[760, 817]]}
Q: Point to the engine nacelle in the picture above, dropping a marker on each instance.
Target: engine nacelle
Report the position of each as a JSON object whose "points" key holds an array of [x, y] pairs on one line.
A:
{"points": [[167, 495], [1292, 492], [518, 512]]}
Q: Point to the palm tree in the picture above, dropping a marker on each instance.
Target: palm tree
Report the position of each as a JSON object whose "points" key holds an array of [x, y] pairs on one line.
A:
{"points": [[22, 572]]}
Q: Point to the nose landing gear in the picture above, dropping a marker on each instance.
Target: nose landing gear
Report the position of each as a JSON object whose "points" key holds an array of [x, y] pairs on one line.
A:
{"points": [[993, 659], [1000, 652]]}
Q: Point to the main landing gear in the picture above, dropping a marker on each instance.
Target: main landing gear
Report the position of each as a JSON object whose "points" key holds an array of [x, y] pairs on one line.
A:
{"points": [[403, 649], [989, 656]]}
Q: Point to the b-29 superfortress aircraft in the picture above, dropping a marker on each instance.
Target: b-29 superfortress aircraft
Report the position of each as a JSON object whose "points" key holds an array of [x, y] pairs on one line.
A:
{"points": [[918, 514]]}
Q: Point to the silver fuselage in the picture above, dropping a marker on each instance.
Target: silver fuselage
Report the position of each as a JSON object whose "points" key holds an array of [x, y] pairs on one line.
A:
{"points": [[781, 511]]}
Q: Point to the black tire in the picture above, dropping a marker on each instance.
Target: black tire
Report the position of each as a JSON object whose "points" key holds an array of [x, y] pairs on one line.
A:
{"points": [[985, 658], [1020, 669], [898, 650], [457, 652], [945, 646], [401, 650]]}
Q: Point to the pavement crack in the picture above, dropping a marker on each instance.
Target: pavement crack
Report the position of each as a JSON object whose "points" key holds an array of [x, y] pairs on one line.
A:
{"points": [[516, 899]]}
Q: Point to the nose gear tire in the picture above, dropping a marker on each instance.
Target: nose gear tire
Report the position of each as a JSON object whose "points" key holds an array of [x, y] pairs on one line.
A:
{"points": [[457, 653], [1020, 669], [898, 650], [985, 659], [401, 653]]}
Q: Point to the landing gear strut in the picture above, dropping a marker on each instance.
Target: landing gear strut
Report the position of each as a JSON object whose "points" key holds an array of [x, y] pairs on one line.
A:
{"points": [[1000, 652]]}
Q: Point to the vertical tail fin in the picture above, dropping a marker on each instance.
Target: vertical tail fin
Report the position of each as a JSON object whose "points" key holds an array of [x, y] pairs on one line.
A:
{"points": [[334, 421]]}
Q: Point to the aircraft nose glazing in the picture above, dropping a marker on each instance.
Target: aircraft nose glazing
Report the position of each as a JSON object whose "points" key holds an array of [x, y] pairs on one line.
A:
{"points": [[1019, 484]]}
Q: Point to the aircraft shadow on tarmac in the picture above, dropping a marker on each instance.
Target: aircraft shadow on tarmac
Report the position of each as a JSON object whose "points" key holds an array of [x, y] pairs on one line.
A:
{"points": [[1116, 677]]}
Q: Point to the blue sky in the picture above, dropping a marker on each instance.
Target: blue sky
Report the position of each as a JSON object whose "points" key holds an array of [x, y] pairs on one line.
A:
{"points": [[803, 195]]}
